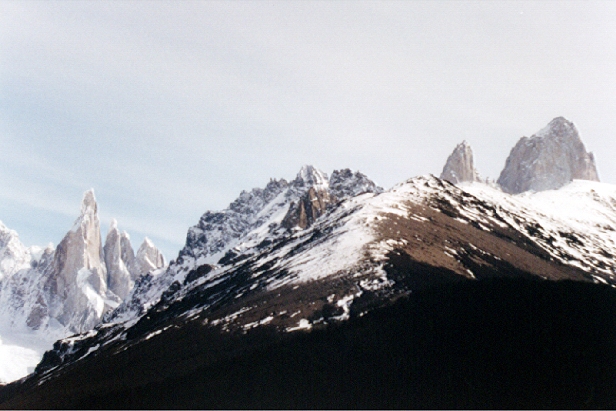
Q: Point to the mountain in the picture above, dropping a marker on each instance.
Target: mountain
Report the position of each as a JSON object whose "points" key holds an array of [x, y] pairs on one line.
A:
{"points": [[330, 292], [548, 160], [253, 221], [149, 258], [311, 255], [499, 343], [124, 267], [76, 280], [459, 166], [51, 293], [122, 270]]}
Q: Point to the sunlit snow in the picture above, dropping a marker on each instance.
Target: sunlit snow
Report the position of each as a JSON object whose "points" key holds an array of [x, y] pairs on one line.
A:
{"points": [[21, 350]]}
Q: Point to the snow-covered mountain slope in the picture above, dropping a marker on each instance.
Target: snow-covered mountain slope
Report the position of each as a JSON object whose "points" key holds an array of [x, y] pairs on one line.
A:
{"points": [[360, 254], [576, 224], [50, 293], [254, 220], [14, 256], [21, 348]]}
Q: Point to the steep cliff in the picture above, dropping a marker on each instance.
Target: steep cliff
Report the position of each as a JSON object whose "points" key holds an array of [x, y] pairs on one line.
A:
{"points": [[459, 166], [548, 160]]}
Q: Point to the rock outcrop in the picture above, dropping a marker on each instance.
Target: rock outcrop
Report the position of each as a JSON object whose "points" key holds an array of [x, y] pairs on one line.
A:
{"points": [[149, 258], [310, 206], [548, 160], [347, 183], [322, 193], [119, 261], [459, 167]]}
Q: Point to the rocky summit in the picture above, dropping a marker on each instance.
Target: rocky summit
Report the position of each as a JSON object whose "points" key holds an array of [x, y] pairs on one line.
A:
{"points": [[77, 276], [459, 167], [548, 160]]}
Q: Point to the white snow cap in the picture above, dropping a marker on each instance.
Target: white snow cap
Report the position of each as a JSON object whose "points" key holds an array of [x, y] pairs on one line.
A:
{"points": [[113, 225], [312, 176], [7, 232]]}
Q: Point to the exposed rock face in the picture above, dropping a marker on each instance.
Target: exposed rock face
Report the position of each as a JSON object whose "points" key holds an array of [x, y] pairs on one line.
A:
{"points": [[346, 183], [310, 206], [149, 258], [459, 167], [77, 279], [119, 261], [324, 192], [548, 160]]}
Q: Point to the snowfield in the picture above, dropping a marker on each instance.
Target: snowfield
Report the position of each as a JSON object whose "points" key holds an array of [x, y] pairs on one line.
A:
{"points": [[22, 349], [575, 224]]}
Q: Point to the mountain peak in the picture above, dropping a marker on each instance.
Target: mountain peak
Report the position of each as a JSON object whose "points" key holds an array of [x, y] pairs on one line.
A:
{"points": [[311, 176], [88, 204], [149, 257], [459, 166], [559, 127], [560, 120], [548, 160]]}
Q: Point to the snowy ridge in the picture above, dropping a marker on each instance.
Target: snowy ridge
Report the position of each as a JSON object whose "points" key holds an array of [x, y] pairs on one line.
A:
{"points": [[346, 241], [360, 253], [254, 218], [575, 224]]}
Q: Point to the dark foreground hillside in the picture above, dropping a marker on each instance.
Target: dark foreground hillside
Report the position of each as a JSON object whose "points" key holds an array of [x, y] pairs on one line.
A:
{"points": [[497, 343]]}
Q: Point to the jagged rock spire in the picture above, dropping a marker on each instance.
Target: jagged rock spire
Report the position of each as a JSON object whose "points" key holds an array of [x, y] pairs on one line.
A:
{"points": [[78, 277], [459, 166], [149, 257], [88, 204], [548, 160], [119, 261], [310, 176]]}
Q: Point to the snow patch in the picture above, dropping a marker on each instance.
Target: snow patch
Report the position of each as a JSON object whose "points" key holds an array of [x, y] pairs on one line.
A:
{"points": [[303, 324]]}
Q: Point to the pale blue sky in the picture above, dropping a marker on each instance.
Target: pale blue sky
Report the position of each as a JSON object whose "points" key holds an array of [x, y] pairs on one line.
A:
{"points": [[168, 109]]}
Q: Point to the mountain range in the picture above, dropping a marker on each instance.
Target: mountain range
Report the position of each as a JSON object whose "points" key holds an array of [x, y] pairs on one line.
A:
{"points": [[294, 295], [53, 292]]}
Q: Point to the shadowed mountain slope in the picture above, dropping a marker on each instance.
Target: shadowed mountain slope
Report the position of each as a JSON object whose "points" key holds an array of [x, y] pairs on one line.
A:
{"points": [[496, 343]]}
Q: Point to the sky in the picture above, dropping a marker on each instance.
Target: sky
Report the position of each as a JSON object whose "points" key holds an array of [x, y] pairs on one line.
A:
{"points": [[170, 109]]}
